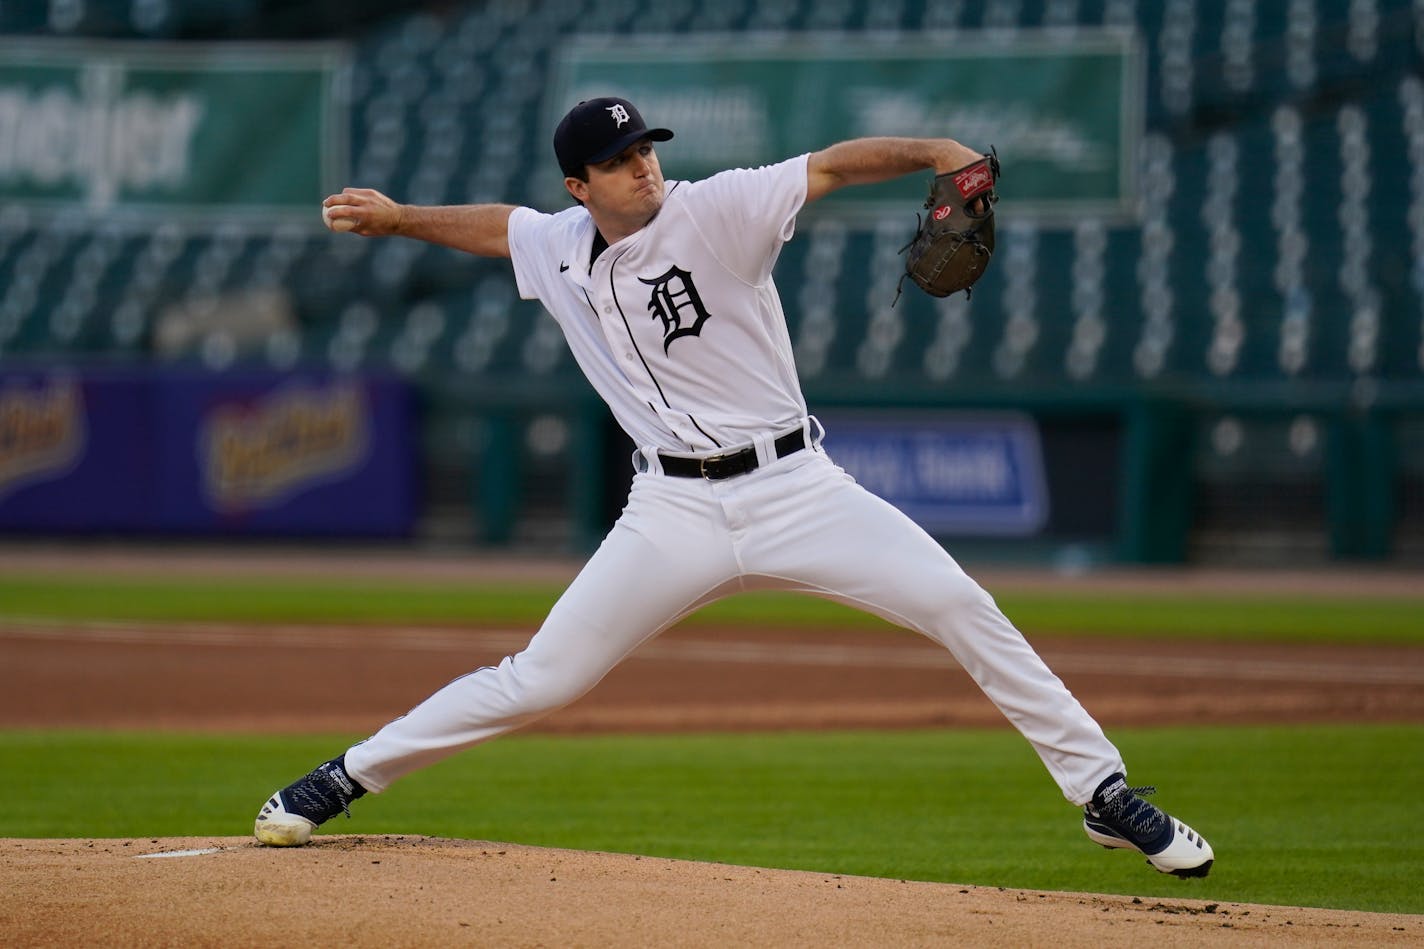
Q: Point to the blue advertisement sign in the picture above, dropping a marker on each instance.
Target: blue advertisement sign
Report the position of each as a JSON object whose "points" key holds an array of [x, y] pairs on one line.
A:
{"points": [[952, 473], [197, 453]]}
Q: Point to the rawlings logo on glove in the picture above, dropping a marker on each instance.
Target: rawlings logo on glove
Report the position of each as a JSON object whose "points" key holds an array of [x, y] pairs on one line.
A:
{"points": [[952, 248], [978, 176]]}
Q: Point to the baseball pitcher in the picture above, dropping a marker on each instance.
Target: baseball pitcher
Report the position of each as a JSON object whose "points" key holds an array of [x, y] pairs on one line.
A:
{"points": [[664, 291]]}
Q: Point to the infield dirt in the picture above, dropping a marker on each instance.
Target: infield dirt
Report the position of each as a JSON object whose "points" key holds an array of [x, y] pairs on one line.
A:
{"points": [[420, 891]]}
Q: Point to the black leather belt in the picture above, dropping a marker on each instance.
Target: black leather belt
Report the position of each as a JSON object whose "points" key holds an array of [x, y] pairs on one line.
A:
{"points": [[729, 464]]}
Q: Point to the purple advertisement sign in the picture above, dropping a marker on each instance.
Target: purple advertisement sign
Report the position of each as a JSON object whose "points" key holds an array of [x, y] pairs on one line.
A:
{"points": [[75, 452], [192, 453]]}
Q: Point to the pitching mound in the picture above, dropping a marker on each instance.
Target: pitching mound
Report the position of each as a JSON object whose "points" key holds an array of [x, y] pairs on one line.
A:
{"points": [[397, 891]]}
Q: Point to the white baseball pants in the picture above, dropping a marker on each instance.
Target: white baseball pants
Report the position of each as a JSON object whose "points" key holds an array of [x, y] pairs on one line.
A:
{"points": [[798, 523]]}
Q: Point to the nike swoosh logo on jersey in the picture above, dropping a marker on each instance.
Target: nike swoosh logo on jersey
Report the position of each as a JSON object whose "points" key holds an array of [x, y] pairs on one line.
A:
{"points": [[563, 265]]}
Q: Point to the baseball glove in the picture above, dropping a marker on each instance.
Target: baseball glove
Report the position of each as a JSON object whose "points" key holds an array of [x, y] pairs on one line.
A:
{"points": [[955, 241]]}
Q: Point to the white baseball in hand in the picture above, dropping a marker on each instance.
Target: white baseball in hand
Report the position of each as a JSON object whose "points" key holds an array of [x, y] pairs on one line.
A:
{"points": [[336, 224]]}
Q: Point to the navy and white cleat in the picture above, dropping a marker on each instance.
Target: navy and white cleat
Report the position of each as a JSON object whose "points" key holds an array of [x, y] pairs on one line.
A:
{"points": [[289, 816], [1117, 817]]}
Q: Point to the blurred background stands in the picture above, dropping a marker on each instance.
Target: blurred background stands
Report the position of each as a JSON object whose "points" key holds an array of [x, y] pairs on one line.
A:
{"points": [[1273, 281]]}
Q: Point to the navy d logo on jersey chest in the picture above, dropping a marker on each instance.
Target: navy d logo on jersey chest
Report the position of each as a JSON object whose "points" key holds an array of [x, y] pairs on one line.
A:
{"points": [[676, 302]]}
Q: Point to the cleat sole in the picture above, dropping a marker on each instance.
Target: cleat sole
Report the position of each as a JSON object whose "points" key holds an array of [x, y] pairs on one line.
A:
{"points": [[1187, 873]]}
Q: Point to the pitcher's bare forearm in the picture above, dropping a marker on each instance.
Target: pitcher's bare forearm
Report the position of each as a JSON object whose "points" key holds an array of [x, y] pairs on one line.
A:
{"points": [[481, 229], [863, 161]]}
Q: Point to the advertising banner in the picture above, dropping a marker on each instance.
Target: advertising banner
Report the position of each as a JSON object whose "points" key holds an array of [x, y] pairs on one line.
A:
{"points": [[1065, 111], [202, 132], [299, 455], [75, 452], [193, 453], [953, 474]]}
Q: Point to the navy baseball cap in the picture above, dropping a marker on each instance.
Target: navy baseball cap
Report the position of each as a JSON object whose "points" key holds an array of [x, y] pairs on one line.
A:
{"points": [[597, 129]]}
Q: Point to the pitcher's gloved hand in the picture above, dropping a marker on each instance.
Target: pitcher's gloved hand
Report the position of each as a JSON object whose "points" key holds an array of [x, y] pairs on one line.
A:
{"points": [[955, 241]]}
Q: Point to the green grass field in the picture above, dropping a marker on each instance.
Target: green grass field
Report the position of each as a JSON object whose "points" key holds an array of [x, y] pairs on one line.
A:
{"points": [[1275, 617], [1314, 816], [1298, 816]]}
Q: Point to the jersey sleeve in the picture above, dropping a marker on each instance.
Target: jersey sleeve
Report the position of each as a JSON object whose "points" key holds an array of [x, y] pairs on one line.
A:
{"points": [[748, 213], [530, 244]]}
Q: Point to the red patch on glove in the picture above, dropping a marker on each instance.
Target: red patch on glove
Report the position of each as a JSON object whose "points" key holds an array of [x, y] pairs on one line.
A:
{"points": [[974, 179]]}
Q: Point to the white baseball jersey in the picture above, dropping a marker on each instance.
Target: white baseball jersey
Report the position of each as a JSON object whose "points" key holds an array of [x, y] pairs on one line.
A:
{"points": [[678, 326]]}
